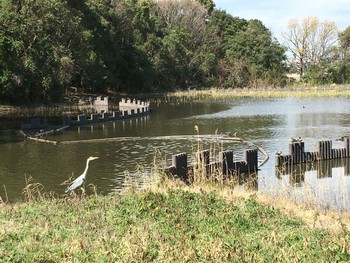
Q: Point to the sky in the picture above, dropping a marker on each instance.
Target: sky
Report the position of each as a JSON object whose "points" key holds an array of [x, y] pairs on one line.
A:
{"points": [[275, 14]]}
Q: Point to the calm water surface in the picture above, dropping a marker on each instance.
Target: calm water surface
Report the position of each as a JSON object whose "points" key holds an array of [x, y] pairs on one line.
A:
{"points": [[268, 123]]}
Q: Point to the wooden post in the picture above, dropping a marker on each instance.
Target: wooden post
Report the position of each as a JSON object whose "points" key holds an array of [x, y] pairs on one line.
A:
{"points": [[302, 151], [320, 150], [226, 161], [292, 152], [251, 158], [344, 153], [203, 157], [296, 150], [328, 147], [179, 161], [278, 160], [347, 146], [203, 160]]}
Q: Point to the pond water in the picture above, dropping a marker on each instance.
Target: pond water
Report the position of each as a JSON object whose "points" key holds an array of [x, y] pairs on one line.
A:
{"points": [[128, 147]]}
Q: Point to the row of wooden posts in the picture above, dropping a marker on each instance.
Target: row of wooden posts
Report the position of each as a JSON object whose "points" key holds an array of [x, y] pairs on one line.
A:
{"points": [[297, 153], [226, 165]]}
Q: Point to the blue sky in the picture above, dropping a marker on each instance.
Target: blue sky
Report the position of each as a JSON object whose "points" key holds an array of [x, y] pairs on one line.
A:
{"points": [[275, 14]]}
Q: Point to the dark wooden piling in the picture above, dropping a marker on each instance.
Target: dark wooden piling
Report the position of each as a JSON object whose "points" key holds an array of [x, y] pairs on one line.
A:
{"points": [[203, 160], [179, 161], [278, 160], [310, 156], [321, 150], [343, 153], [347, 146], [297, 152], [329, 150], [203, 157], [251, 159], [226, 161], [283, 159]]}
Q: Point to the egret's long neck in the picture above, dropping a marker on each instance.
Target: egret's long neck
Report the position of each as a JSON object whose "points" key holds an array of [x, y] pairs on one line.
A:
{"points": [[87, 166]]}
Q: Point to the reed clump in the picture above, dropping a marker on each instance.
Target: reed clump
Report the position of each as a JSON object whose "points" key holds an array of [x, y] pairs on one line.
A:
{"points": [[293, 91]]}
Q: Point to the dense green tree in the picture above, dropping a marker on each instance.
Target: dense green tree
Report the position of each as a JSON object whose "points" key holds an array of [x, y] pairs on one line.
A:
{"points": [[37, 63], [339, 68], [128, 46], [251, 56]]}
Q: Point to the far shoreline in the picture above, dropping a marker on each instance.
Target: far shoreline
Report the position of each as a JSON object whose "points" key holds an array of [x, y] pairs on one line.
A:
{"points": [[298, 91]]}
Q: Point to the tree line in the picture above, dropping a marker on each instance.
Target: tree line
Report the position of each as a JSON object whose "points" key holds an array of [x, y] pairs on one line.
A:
{"points": [[47, 46], [132, 46]]}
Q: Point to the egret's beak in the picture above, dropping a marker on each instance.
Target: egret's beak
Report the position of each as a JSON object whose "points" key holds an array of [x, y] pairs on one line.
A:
{"points": [[94, 158]]}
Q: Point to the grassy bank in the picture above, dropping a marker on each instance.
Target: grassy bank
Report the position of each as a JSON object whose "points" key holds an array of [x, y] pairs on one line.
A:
{"points": [[291, 91], [171, 223]]}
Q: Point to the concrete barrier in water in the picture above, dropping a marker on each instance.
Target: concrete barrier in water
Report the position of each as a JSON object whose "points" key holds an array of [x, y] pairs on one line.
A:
{"points": [[128, 108]]}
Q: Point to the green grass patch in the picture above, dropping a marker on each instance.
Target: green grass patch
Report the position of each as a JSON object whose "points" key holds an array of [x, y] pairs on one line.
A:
{"points": [[150, 226]]}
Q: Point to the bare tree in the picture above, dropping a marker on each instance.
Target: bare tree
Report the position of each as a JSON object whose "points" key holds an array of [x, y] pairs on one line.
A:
{"points": [[310, 41], [187, 14]]}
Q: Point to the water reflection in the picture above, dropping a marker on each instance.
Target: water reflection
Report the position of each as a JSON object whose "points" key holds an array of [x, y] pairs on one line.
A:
{"points": [[325, 183], [323, 169]]}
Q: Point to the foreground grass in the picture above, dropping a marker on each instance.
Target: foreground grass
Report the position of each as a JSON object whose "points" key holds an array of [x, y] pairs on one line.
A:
{"points": [[167, 225]]}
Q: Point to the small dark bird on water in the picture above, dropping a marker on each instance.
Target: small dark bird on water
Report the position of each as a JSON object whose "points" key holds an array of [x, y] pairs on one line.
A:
{"points": [[230, 134]]}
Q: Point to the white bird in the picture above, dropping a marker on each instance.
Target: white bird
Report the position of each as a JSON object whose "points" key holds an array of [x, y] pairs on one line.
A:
{"points": [[80, 181]]}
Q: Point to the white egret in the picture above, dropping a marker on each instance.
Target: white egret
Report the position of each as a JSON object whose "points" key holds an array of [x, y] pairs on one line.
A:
{"points": [[80, 181]]}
